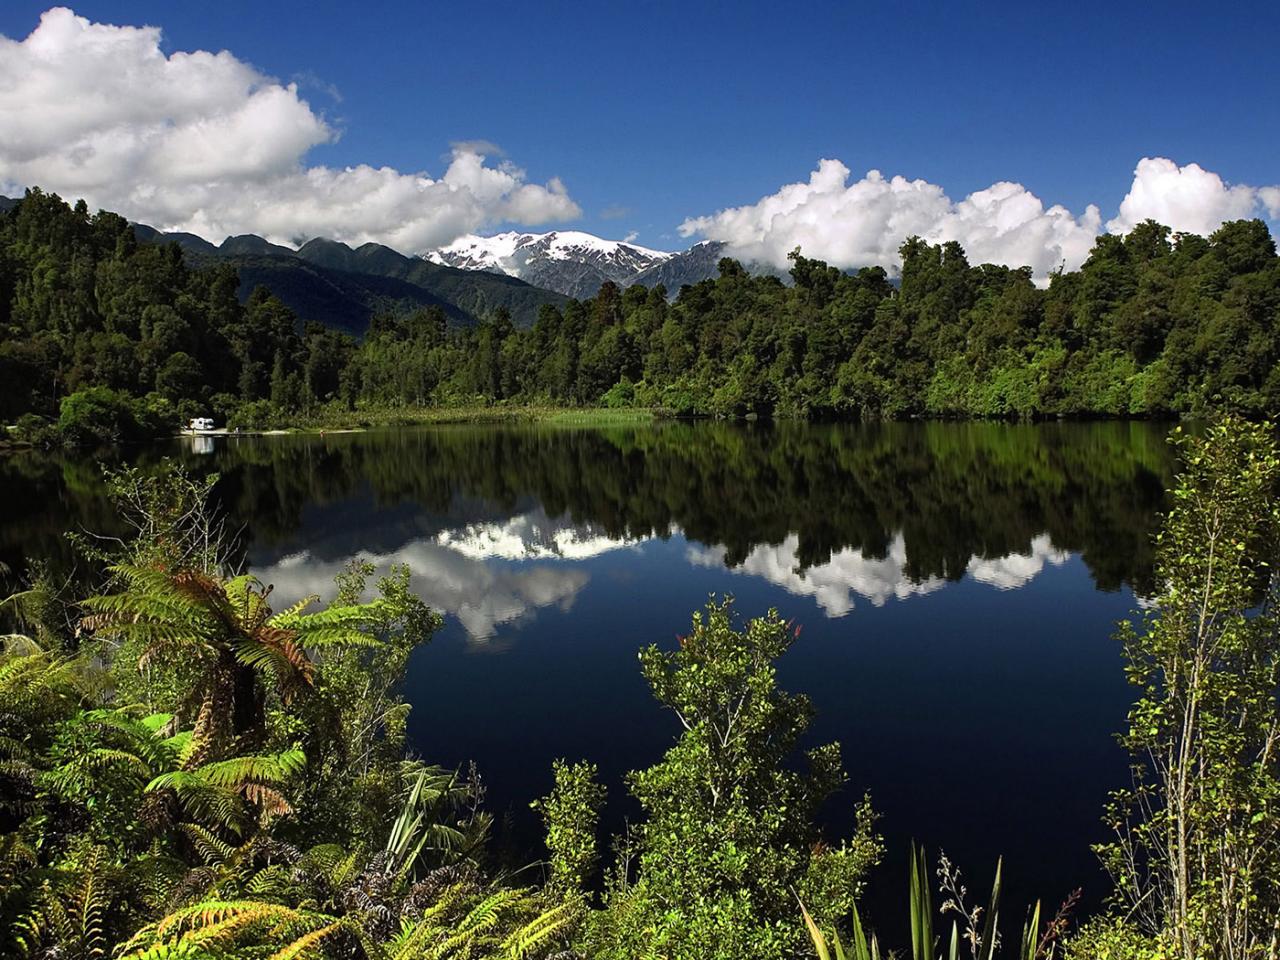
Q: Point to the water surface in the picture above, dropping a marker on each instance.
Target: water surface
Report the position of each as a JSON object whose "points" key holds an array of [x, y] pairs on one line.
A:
{"points": [[957, 586]]}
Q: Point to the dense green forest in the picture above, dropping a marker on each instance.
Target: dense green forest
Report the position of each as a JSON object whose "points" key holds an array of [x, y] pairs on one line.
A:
{"points": [[188, 772], [1153, 324]]}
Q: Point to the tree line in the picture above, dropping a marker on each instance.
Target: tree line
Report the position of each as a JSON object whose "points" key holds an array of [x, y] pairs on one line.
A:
{"points": [[1153, 324]]}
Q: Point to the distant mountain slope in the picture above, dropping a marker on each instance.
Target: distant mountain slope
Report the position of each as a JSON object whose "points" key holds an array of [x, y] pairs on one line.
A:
{"points": [[338, 299], [476, 292], [568, 261], [470, 277], [343, 288], [699, 262]]}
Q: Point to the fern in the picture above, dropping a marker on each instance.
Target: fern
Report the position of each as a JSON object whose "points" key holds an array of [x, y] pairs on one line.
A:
{"points": [[72, 910], [548, 926], [213, 851], [234, 926], [221, 626]]}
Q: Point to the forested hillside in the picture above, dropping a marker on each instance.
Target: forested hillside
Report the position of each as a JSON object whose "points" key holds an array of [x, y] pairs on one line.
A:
{"points": [[344, 288], [1153, 324], [85, 306]]}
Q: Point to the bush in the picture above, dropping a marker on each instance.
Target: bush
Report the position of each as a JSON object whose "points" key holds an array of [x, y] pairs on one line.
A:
{"points": [[1112, 940], [101, 415], [729, 837], [36, 430], [253, 415], [621, 394]]}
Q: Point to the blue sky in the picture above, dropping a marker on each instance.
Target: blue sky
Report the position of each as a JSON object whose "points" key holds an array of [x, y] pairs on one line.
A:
{"points": [[656, 112]]}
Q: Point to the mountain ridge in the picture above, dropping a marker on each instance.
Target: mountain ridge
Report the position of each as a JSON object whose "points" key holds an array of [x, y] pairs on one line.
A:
{"points": [[343, 287]]}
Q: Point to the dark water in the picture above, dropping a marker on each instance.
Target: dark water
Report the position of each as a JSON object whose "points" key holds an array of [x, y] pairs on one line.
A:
{"points": [[957, 586]]}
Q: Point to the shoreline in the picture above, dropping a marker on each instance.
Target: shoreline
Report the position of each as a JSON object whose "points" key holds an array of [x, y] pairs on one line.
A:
{"points": [[367, 421], [442, 416]]}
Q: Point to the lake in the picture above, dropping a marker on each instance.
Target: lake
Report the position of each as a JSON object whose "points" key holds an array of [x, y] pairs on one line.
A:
{"points": [[957, 587]]}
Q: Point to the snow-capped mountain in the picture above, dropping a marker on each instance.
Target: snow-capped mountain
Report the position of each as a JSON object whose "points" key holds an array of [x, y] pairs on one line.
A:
{"points": [[567, 261]]}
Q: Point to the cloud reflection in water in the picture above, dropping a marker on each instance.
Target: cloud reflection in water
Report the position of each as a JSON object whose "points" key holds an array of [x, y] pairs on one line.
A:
{"points": [[455, 571], [834, 584], [490, 574]]}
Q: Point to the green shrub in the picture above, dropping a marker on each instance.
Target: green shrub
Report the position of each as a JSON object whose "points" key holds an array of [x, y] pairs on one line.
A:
{"points": [[36, 430], [253, 415], [570, 814], [729, 837], [101, 415], [621, 394], [1112, 940]]}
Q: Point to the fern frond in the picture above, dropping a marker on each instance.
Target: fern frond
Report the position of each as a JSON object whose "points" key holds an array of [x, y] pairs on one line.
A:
{"points": [[294, 610], [209, 913], [270, 801], [213, 851], [260, 768], [540, 931], [367, 615], [308, 942]]}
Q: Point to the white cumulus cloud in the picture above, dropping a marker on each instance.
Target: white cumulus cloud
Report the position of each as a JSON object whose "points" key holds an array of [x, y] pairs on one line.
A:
{"points": [[863, 223], [206, 143], [1189, 199]]}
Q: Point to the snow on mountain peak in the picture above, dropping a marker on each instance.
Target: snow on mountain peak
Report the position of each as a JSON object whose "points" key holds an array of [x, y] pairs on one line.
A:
{"points": [[517, 254]]}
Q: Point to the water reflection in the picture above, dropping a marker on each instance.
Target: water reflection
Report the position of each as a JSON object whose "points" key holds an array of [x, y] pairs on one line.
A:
{"points": [[835, 513], [498, 573], [834, 584], [481, 595], [485, 574], [198, 444], [533, 536], [1017, 569], [831, 584]]}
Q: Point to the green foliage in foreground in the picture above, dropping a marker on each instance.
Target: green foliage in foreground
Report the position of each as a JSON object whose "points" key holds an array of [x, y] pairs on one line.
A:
{"points": [[191, 773], [975, 934], [729, 835], [1196, 854]]}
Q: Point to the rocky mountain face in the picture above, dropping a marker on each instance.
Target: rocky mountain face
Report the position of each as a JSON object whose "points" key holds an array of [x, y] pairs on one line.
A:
{"points": [[699, 262], [567, 261]]}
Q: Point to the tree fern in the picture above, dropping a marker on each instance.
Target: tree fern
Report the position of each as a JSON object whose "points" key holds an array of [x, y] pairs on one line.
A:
{"points": [[231, 794], [223, 628]]}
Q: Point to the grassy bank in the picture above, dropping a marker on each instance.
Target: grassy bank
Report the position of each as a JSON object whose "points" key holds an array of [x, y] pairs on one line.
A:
{"points": [[330, 418]]}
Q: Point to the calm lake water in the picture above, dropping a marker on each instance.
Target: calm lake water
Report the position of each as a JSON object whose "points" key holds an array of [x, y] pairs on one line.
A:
{"points": [[957, 584]]}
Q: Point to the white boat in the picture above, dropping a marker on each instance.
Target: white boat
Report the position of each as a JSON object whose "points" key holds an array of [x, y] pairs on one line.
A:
{"points": [[200, 425]]}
